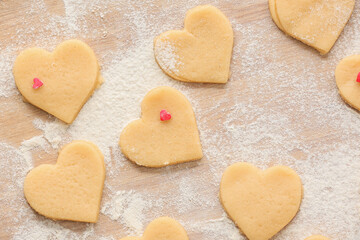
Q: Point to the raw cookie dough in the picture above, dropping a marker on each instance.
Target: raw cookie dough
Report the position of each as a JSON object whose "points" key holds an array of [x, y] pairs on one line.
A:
{"points": [[260, 203], [317, 23], [202, 51], [72, 188], [317, 237], [163, 228], [273, 13], [70, 75], [346, 75], [151, 142]]}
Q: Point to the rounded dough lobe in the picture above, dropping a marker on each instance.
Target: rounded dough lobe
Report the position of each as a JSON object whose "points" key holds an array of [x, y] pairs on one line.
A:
{"points": [[273, 13], [346, 74], [317, 237], [72, 188], [317, 23], [70, 75], [260, 203], [153, 143], [199, 53], [163, 228]]}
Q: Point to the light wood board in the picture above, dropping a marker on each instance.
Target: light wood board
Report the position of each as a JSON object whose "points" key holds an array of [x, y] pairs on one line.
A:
{"points": [[280, 107]]}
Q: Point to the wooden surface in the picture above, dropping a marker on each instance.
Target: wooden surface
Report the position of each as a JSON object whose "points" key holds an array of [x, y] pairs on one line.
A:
{"points": [[280, 107]]}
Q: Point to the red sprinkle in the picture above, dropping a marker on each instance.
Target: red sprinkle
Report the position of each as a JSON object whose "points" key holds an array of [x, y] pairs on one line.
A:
{"points": [[165, 115], [358, 77], [37, 83]]}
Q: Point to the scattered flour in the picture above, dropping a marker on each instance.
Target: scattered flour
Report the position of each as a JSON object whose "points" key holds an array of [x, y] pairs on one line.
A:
{"points": [[13, 167], [165, 53], [54, 132], [28, 145], [48, 229], [286, 110], [127, 207], [221, 228], [7, 82]]}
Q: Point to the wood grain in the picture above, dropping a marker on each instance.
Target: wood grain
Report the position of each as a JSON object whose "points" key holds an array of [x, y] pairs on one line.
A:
{"points": [[221, 109]]}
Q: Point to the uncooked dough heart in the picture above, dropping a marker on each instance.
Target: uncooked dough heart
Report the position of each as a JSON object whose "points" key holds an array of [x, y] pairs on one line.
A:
{"points": [[317, 237], [346, 75], [273, 14], [163, 228], [202, 51], [69, 75], [151, 142], [72, 188], [317, 23], [260, 203]]}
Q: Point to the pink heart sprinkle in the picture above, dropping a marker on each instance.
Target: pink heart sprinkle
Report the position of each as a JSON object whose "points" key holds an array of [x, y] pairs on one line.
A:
{"points": [[358, 77], [37, 83], [165, 115]]}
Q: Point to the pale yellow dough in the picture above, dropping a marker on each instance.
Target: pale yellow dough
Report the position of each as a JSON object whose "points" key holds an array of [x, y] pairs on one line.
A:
{"points": [[70, 75], [202, 51], [260, 203], [72, 188], [317, 237], [273, 13], [153, 143], [317, 23], [163, 228], [346, 74]]}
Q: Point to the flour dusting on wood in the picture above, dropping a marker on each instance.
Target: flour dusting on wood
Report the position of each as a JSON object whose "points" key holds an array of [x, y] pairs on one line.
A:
{"points": [[280, 107]]}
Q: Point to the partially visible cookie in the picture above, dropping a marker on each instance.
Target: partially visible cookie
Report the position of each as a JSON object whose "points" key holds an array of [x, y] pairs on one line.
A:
{"points": [[317, 237], [317, 23], [273, 13], [347, 75], [163, 228]]}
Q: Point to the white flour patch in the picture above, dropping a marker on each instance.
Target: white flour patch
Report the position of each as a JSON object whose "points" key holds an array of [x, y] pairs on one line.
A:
{"points": [[48, 229], [128, 209], [7, 82], [34, 143], [221, 228], [166, 55], [13, 167], [54, 132]]}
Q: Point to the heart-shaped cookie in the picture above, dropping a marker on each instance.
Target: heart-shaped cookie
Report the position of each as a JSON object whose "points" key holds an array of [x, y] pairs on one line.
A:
{"points": [[346, 76], [199, 53], [163, 228], [317, 23], [155, 142], [72, 188], [317, 237], [69, 76], [260, 203]]}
